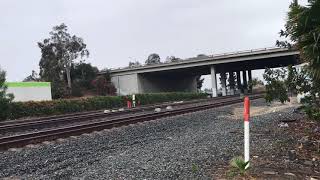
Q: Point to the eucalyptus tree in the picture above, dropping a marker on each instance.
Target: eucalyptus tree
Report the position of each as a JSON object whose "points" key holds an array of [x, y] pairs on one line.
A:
{"points": [[59, 52]]}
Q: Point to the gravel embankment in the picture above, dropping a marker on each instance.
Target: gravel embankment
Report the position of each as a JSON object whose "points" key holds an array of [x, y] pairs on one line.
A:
{"points": [[181, 147]]}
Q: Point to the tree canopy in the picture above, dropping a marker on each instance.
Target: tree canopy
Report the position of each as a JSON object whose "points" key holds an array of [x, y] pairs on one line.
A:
{"points": [[153, 59], [59, 52], [302, 30]]}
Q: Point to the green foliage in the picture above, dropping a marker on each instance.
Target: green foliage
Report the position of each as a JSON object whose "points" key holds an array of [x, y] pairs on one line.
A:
{"points": [[58, 89], [199, 82], [232, 80], [194, 168], [83, 74], [239, 166], [303, 31], [103, 85], [255, 82], [134, 64], [171, 59], [5, 99], [276, 85], [58, 53], [33, 77], [153, 59], [45, 108]]}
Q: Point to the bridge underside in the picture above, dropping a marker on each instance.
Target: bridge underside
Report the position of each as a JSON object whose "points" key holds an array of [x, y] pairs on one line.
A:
{"points": [[184, 79]]}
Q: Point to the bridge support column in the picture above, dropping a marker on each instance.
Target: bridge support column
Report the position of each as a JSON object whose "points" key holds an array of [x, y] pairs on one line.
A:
{"points": [[245, 82], [250, 81], [223, 83], [231, 81], [239, 82], [213, 81]]}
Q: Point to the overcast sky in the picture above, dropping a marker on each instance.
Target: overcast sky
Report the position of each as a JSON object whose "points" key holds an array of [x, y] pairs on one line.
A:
{"points": [[122, 30]]}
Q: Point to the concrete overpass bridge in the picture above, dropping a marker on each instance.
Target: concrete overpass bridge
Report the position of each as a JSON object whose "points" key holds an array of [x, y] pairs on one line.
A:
{"points": [[181, 76]]}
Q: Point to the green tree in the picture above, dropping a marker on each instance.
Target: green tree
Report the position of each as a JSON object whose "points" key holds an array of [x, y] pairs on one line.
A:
{"points": [[59, 52], [103, 84], [83, 74], [5, 99], [134, 64], [33, 77], [302, 31], [199, 82], [173, 59], [276, 84], [153, 59], [255, 82]]}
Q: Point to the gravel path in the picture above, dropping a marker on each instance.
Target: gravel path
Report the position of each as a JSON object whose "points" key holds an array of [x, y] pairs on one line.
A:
{"points": [[182, 147]]}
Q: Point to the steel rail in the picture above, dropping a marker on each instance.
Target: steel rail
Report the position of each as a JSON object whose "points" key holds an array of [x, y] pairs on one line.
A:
{"points": [[36, 137], [78, 117]]}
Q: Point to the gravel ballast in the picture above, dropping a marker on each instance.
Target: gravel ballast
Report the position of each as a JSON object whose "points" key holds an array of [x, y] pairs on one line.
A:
{"points": [[182, 147]]}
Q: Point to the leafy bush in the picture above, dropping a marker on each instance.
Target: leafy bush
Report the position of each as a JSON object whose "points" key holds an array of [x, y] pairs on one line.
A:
{"points": [[58, 90], [276, 87], [103, 85], [5, 99], [45, 108]]}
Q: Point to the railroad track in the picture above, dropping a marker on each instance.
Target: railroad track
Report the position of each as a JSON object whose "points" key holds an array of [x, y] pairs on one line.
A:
{"points": [[36, 137], [19, 125]]}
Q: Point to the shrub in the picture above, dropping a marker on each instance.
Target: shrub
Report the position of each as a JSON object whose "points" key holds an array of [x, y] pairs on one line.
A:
{"points": [[5, 99], [61, 106]]}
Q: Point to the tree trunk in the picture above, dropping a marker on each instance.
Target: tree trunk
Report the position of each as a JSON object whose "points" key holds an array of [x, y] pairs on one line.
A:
{"points": [[68, 78]]}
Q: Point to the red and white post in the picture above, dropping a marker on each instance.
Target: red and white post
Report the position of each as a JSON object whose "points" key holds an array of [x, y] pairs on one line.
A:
{"points": [[246, 116]]}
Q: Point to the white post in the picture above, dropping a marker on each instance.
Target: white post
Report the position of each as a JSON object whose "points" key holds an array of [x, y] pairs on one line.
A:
{"points": [[213, 81], [223, 83], [246, 115], [133, 100], [246, 142]]}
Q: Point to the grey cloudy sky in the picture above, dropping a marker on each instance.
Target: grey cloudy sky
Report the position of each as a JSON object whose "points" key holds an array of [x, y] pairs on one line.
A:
{"points": [[118, 31]]}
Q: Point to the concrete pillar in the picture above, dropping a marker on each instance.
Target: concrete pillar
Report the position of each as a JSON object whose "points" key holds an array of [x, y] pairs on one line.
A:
{"points": [[231, 81], [239, 81], [245, 82], [213, 81], [250, 81], [223, 83]]}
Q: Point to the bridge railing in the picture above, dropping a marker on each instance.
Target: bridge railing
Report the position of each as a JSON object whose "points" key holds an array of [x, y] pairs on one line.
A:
{"points": [[219, 55]]}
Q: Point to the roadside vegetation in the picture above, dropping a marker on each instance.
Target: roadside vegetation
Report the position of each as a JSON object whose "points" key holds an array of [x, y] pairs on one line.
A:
{"points": [[63, 63], [302, 32], [238, 167], [14, 110], [5, 99]]}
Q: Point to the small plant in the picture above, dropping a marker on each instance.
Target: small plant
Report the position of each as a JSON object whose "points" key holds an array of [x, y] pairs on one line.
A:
{"points": [[194, 168], [239, 166]]}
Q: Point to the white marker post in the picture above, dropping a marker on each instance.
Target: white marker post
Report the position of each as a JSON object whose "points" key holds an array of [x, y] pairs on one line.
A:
{"points": [[133, 100], [246, 116]]}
